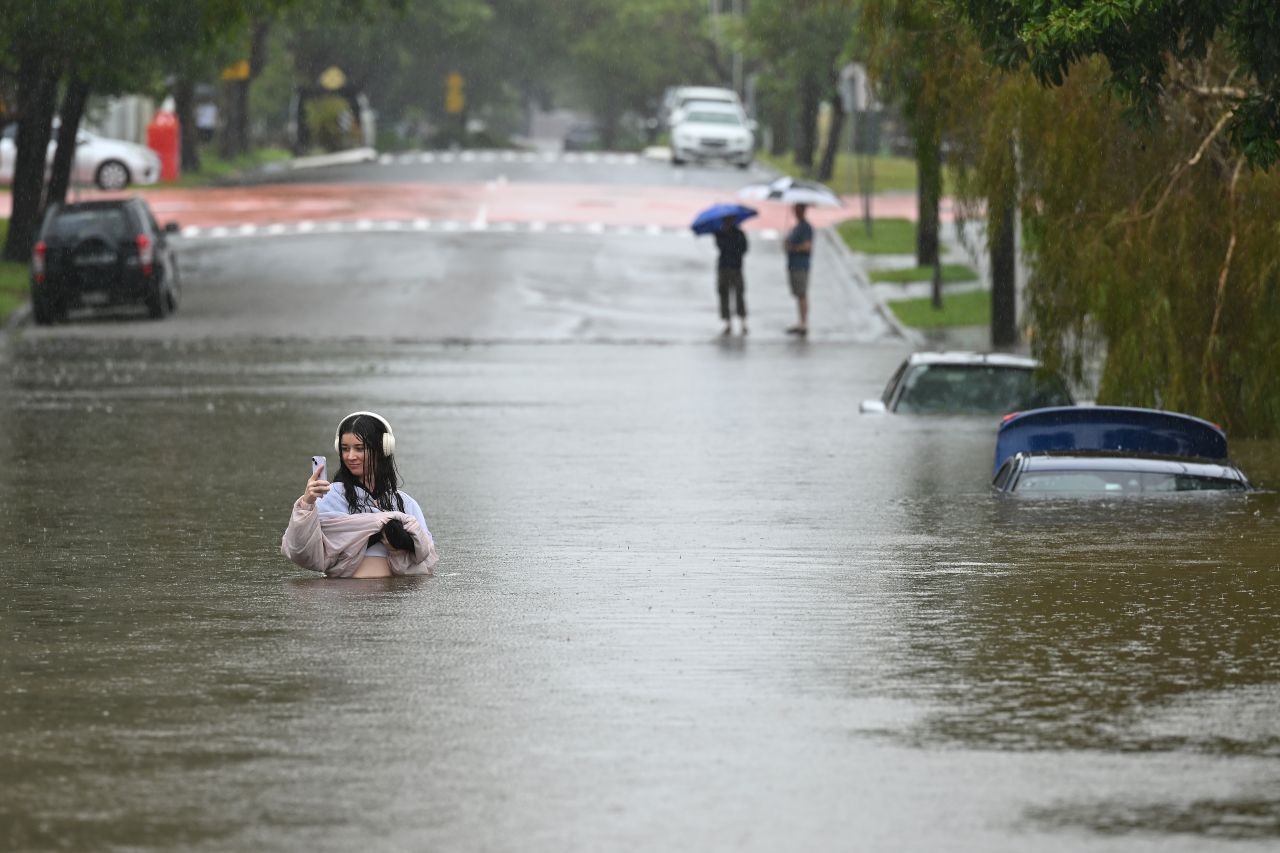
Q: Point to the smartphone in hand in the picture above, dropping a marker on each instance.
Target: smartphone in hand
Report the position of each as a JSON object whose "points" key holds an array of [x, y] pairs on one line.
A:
{"points": [[319, 462]]}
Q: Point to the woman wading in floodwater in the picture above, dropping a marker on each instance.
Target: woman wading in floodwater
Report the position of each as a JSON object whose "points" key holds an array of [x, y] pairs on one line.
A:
{"points": [[360, 525]]}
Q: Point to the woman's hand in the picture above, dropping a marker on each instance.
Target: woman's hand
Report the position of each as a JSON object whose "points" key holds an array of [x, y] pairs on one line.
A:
{"points": [[316, 487]]}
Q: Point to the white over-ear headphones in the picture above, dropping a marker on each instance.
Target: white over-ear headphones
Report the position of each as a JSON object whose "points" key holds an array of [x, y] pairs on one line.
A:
{"points": [[388, 440]]}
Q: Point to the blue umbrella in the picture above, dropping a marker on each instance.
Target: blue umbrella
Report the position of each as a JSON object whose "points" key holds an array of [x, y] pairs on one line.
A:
{"points": [[710, 220]]}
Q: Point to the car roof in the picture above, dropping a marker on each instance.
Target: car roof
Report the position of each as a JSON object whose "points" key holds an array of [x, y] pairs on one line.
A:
{"points": [[97, 204], [710, 107], [1117, 429], [968, 359], [1126, 463], [714, 93]]}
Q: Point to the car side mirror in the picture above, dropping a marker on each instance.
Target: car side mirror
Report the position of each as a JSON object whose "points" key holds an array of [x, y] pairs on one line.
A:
{"points": [[872, 407], [752, 125], [171, 228]]}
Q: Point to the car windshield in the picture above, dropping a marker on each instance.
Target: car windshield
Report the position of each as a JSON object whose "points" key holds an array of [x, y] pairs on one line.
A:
{"points": [[111, 223], [978, 389], [1119, 483], [714, 118]]}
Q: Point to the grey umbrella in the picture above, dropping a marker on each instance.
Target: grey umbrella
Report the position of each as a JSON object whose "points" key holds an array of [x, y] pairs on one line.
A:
{"points": [[790, 190]]}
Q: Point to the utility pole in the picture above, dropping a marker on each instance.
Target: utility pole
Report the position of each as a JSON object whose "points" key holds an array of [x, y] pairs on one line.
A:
{"points": [[737, 49]]}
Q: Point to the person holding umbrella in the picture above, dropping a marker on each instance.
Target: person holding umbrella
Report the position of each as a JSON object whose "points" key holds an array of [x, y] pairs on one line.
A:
{"points": [[732, 243], [799, 242], [722, 221], [799, 248]]}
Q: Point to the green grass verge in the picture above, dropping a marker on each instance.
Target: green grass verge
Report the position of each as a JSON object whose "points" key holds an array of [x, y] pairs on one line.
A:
{"points": [[888, 236], [13, 280], [950, 273], [958, 309], [888, 174]]}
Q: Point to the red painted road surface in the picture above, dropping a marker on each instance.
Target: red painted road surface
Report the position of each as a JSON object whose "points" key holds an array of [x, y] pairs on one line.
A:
{"points": [[489, 202]]}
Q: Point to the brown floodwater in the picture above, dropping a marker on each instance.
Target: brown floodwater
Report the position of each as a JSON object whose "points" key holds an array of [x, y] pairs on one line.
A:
{"points": [[688, 599]]}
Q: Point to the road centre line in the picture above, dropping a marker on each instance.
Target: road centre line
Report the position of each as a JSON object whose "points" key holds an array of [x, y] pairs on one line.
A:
{"points": [[478, 225], [592, 158]]}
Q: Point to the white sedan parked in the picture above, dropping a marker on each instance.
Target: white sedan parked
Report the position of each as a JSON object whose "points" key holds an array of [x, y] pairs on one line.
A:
{"points": [[112, 164], [711, 131]]}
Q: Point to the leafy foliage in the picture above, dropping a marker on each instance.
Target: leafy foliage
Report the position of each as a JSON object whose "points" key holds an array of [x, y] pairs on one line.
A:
{"points": [[1154, 269], [799, 48], [1140, 41], [1154, 256]]}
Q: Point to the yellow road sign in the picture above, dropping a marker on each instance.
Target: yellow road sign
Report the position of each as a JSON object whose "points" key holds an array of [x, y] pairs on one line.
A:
{"points": [[454, 101], [332, 78], [236, 71]]}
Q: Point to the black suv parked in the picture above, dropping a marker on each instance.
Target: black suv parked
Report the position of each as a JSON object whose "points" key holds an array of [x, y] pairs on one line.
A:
{"points": [[102, 253]]}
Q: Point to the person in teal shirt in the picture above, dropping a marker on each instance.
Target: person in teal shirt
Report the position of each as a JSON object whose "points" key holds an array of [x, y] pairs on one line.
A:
{"points": [[799, 247]]}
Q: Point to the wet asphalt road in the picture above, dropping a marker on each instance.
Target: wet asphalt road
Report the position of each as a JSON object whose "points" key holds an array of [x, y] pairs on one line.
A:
{"points": [[688, 598]]}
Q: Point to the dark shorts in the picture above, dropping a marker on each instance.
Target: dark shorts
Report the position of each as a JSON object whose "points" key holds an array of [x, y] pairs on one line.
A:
{"points": [[799, 283]]}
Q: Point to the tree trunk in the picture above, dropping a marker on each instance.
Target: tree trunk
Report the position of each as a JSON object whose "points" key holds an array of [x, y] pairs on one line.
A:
{"points": [[65, 157], [779, 120], [235, 136], [827, 167], [1004, 285], [184, 104], [37, 98], [235, 133], [609, 128], [806, 142], [929, 192]]}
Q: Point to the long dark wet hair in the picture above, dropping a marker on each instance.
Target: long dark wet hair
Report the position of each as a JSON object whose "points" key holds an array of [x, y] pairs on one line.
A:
{"points": [[386, 477]]}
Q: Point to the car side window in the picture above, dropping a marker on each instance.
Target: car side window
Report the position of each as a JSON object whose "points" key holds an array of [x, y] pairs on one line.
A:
{"points": [[1006, 472], [152, 224], [893, 383]]}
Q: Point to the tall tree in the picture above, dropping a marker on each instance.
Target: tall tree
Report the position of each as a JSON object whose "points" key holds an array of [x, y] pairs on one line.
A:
{"points": [[1154, 269], [623, 53], [1143, 43], [804, 42], [913, 54], [105, 46]]}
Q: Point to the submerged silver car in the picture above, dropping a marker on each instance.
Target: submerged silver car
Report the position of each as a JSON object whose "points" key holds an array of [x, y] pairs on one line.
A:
{"points": [[968, 383], [1111, 451]]}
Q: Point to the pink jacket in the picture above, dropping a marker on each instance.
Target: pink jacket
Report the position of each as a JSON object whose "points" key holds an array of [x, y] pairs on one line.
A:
{"points": [[336, 545]]}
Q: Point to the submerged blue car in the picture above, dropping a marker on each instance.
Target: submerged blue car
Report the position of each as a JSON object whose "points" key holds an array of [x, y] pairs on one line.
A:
{"points": [[1111, 450]]}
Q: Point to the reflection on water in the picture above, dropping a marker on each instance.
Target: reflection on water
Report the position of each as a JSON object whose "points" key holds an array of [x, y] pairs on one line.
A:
{"points": [[688, 598]]}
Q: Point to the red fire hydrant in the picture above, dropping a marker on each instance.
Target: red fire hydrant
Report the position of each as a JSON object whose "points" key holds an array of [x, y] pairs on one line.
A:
{"points": [[164, 139]]}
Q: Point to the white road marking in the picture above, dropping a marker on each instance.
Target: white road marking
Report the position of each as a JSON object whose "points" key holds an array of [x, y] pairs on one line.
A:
{"points": [[480, 224]]}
